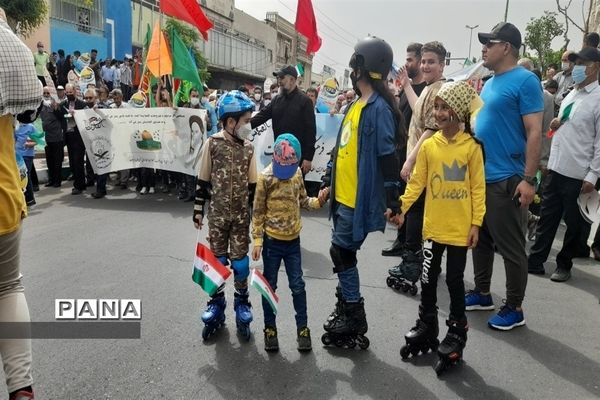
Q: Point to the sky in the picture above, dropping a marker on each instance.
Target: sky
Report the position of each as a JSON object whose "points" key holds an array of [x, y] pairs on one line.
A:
{"points": [[341, 23]]}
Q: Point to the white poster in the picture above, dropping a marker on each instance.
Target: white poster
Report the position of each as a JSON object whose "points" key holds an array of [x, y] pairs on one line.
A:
{"points": [[162, 138], [327, 130]]}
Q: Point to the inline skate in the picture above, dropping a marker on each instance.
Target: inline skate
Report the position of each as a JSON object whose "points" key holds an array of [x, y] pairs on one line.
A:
{"points": [[348, 327], [422, 337], [450, 351], [243, 313], [337, 308], [214, 316], [404, 276]]}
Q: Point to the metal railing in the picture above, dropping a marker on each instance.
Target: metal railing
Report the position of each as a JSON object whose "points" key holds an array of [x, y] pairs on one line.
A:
{"points": [[86, 19]]}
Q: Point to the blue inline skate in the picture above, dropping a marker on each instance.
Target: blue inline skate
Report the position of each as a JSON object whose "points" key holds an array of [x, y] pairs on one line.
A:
{"points": [[214, 316], [243, 313]]}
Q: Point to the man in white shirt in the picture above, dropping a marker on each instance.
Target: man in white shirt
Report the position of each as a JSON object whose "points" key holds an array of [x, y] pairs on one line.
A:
{"points": [[574, 166]]}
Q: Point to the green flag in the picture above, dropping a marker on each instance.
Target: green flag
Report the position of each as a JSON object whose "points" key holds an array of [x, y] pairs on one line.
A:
{"points": [[184, 67], [148, 38]]}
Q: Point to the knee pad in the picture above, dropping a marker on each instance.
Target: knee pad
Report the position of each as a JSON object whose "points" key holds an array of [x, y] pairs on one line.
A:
{"points": [[223, 260], [241, 268], [343, 259]]}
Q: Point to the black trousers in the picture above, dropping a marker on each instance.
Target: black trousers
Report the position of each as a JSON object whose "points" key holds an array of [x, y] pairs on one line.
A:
{"points": [[54, 158], [414, 224], [76, 150], [456, 260], [559, 200]]}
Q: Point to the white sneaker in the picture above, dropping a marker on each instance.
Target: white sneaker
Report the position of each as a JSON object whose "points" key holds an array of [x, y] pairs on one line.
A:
{"points": [[151, 191], [144, 190]]}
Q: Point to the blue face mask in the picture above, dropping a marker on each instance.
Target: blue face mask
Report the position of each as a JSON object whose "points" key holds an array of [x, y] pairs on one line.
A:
{"points": [[578, 74]]}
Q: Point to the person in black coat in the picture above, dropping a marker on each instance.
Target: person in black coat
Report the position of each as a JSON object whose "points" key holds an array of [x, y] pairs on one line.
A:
{"points": [[75, 145], [52, 122]]}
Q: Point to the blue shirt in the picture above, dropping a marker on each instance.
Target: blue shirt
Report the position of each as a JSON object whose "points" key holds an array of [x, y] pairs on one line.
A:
{"points": [[21, 135], [507, 97], [212, 114]]}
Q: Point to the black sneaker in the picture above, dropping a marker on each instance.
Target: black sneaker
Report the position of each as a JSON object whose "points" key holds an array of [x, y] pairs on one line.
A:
{"points": [[304, 342], [76, 191], [271, 341], [98, 195]]}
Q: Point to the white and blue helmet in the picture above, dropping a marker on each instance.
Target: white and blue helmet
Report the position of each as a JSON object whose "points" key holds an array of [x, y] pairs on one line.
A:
{"points": [[233, 103]]}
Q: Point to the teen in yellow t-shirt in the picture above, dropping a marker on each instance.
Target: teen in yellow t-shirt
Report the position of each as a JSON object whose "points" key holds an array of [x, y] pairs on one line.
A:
{"points": [[346, 177]]}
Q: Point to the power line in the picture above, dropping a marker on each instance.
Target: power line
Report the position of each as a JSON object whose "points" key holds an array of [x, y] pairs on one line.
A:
{"points": [[335, 23]]}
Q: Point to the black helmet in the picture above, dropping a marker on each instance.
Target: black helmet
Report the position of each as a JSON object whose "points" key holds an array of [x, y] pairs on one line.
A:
{"points": [[374, 55]]}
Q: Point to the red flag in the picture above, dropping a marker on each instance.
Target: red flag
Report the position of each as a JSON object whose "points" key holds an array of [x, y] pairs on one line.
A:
{"points": [[306, 24], [188, 11]]}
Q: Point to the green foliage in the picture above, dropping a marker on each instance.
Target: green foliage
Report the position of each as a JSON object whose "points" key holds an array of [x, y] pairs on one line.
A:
{"points": [[190, 37], [27, 14], [539, 35]]}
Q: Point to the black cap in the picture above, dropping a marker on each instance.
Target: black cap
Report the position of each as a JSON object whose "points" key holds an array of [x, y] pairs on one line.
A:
{"points": [[503, 31], [287, 70], [586, 54]]}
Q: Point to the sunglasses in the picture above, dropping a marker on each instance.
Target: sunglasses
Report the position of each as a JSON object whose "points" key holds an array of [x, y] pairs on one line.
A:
{"points": [[491, 43]]}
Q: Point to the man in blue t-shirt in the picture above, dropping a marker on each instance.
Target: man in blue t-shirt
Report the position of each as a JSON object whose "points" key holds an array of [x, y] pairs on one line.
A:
{"points": [[510, 127]]}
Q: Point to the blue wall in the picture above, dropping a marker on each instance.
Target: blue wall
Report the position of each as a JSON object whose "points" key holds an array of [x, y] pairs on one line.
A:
{"points": [[66, 36], [120, 12]]}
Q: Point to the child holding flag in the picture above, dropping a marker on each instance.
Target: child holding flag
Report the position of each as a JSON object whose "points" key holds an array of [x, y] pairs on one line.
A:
{"points": [[227, 174], [276, 226], [450, 169]]}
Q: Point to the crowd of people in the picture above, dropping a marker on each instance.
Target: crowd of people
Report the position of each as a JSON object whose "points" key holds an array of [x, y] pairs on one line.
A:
{"points": [[452, 168]]}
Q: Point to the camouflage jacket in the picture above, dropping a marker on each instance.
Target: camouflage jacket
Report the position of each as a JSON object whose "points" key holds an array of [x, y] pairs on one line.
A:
{"points": [[229, 167]]}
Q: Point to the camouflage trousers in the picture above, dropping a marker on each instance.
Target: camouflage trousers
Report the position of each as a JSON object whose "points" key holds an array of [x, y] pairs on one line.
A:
{"points": [[229, 235]]}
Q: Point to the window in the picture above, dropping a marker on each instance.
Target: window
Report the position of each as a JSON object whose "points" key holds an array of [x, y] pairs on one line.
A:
{"points": [[86, 19]]}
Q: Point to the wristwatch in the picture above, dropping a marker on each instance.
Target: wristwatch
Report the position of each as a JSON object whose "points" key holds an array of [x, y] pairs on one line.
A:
{"points": [[532, 180]]}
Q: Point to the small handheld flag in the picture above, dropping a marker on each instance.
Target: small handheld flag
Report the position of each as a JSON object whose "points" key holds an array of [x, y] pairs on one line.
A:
{"points": [[260, 283], [208, 272]]}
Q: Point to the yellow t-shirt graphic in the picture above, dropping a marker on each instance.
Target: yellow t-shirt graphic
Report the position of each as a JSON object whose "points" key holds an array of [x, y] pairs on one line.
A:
{"points": [[346, 172]]}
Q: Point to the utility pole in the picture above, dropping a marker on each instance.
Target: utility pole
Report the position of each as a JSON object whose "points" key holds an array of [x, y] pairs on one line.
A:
{"points": [[471, 37], [506, 11]]}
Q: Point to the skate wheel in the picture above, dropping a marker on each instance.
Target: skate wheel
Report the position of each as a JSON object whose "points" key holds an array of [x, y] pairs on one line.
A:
{"points": [[389, 281], [206, 332], [397, 285], [414, 290], [414, 351], [244, 332], [405, 288], [404, 352], [326, 339], [363, 342], [350, 344], [440, 366], [339, 343]]}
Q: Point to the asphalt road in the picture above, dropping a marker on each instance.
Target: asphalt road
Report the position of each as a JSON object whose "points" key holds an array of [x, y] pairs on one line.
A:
{"points": [[132, 246]]}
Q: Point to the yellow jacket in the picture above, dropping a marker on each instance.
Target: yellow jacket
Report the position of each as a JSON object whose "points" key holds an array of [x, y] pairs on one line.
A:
{"points": [[277, 206], [452, 172]]}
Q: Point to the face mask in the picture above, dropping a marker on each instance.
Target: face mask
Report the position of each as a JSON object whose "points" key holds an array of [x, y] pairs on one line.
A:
{"points": [[40, 50], [244, 131], [194, 101], [565, 66], [90, 104], [71, 97], [578, 74], [273, 94], [267, 102], [257, 96], [47, 102], [204, 99]]}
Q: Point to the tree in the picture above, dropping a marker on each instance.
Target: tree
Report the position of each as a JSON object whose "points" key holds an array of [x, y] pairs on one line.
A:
{"points": [[24, 16], [539, 35], [585, 27], [190, 37]]}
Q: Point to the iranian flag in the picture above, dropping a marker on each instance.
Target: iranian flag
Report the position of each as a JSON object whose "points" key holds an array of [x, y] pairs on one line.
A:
{"points": [[209, 273], [260, 283]]}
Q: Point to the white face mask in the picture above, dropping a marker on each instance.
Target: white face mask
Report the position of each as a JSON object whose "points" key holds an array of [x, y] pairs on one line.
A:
{"points": [[267, 102], [244, 131], [194, 101], [257, 96], [48, 102], [565, 66], [204, 99], [273, 94]]}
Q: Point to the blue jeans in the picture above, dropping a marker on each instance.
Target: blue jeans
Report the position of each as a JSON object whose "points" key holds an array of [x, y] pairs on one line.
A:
{"points": [[342, 237], [273, 252], [101, 183], [29, 189]]}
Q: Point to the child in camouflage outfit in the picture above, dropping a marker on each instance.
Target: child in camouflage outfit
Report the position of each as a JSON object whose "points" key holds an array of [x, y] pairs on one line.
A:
{"points": [[227, 174]]}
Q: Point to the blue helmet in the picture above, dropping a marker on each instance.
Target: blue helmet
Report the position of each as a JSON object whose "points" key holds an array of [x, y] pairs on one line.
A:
{"points": [[233, 103]]}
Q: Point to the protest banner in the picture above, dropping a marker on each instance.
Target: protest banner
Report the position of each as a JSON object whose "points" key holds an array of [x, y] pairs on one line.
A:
{"points": [[163, 138], [327, 130]]}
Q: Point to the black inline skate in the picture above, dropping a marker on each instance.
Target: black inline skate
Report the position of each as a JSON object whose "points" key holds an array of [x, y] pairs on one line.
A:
{"points": [[450, 351], [348, 328], [422, 337], [404, 276], [337, 308]]}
